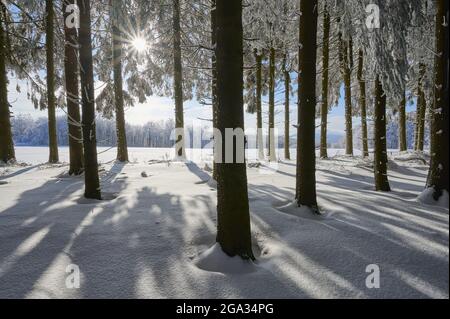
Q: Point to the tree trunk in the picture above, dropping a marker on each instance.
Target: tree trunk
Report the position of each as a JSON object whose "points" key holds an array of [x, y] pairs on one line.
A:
{"points": [[421, 112], [178, 82], [380, 152], [234, 233], [259, 133], [402, 144], [287, 93], [438, 177], [7, 153], [72, 94], [214, 80], [363, 105], [122, 149], [345, 59], [272, 151], [325, 81], [51, 100], [92, 183], [306, 150]]}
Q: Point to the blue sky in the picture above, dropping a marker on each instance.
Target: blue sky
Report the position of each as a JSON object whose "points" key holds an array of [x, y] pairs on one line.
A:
{"points": [[160, 108]]}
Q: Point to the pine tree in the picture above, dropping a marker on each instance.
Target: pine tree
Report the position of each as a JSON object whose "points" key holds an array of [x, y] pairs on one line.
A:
{"points": [[325, 82], [438, 177], [122, 149], [7, 153], [306, 153], [51, 99], [380, 152], [234, 234], [72, 93], [92, 182]]}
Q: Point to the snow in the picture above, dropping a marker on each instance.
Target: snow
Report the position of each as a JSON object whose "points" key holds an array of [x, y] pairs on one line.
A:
{"points": [[155, 237], [426, 197]]}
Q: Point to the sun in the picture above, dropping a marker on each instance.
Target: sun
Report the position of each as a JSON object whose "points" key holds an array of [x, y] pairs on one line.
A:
{"points": [[139, 44]]}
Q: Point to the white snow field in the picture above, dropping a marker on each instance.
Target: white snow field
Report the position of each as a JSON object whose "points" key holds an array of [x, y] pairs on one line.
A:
{"points": [[154, 236]]}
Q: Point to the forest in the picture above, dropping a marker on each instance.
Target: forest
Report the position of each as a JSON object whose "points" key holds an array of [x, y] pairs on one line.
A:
{"points": [[272, 207]]}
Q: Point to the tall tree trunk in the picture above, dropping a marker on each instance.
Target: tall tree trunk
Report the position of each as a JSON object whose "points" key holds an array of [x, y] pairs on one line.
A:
{"points": [[272, 151], [122, 149], [51, 100], [306, 150], [345, 58], [259, 133], [234, 233], [325, 82], [72, 94], [402, 144], [178, 82], [363, 105], [438, 177], [421, 112], [287, 94], [7, 153], [92, 183], [380, 152], [214, 80]]}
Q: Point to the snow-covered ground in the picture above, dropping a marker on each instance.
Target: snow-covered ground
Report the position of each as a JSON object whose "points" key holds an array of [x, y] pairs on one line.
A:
{"points": [[154, 236]]}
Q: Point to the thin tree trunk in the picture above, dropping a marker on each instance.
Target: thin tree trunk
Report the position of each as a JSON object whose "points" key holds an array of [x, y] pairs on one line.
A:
{"points": [[380, 152], [306, 151], [122, 149], [325, 82], [92, 183], [259, 133], [345, 58], [438, 177], [287, 93], [363, 105], [234, 233], [178, 81], [7, 153], [421, 111], [272, 151], [403, 146], [51, 100], [72, 94]]}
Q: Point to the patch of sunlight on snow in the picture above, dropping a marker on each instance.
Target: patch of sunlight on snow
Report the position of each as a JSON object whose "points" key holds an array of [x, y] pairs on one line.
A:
{"points": [[24, 248], [418, 242], [421, 285]]}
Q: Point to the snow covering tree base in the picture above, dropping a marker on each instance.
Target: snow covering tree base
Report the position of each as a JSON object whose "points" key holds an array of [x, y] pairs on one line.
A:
{"points": [[428, 197], [216, 260]]}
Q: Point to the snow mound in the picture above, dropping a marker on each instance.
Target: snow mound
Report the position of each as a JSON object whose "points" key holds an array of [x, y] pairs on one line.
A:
{"points": [[305, 212], [426, 197], [215, 260], [412, 157]]}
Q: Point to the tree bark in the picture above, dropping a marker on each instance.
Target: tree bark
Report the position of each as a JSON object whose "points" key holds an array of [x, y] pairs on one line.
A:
{"points": [[259, 133], [402, 144], [380, 152], [363, 105], [438, 177], [178, 82], [92, 182], [421, 112], [72, 94], [306, 155], [7, 153], [234, 233], [272, 143], [287, 124], [122, 148], [51, 100], [325, 82], [214, 80], [345, 58]]}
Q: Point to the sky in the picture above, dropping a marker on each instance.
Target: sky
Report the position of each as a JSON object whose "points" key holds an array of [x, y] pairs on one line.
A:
{"points": [[161, 108]]}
